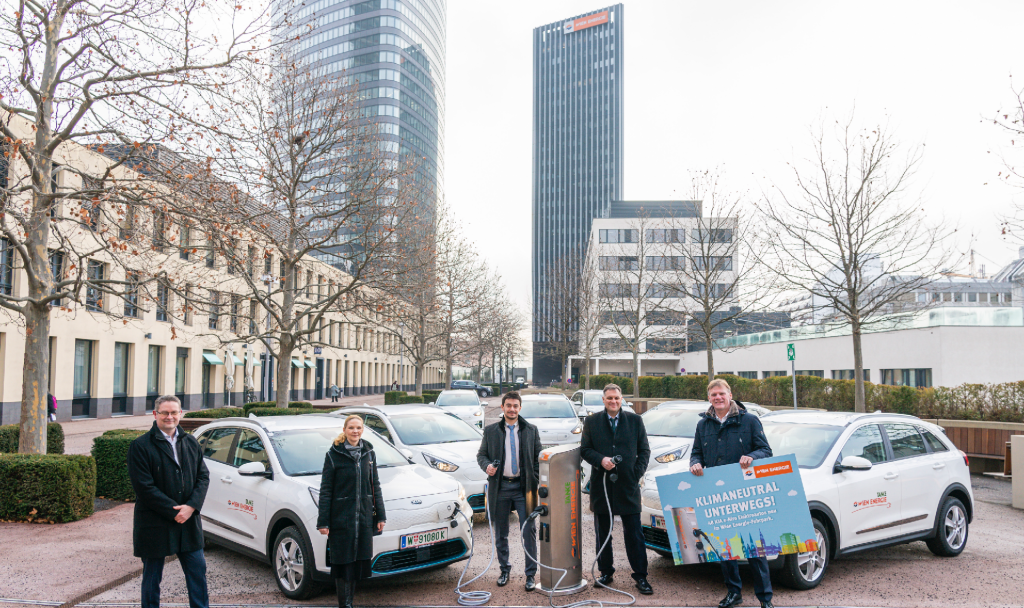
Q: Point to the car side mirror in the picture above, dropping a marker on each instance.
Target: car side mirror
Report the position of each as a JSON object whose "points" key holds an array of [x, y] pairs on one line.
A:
{"points": [[484, 403], [406, 452], [853, 463], [432, 403], [255, 469]]}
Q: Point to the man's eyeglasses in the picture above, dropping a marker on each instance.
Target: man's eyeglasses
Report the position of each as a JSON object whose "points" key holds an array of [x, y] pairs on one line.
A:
{"points": [[168, 414]]}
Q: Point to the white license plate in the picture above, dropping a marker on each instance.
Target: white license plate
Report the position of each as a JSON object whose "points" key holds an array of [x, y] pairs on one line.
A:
{"points": [[424, 538], [658, 522]]}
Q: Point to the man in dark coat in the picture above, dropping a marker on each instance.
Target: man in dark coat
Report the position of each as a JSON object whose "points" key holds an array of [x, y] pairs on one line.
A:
{"points": [[607, 436], [514, 444], [727, 434], [170, 480]]}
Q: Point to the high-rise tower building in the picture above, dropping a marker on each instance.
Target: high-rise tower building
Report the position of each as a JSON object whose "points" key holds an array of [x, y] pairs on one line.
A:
{"points": [[577, 151], [395, 49]]}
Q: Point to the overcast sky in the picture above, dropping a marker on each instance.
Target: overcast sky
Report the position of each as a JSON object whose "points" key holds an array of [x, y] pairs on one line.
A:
{"points": [[739, 85]]}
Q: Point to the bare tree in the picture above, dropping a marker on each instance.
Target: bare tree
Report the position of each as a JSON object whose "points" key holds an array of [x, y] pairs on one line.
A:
{"points": [[844, 234], [590, 326], [559, 328], [117, 72], [460, 283], [480, 329], [1011, 122]]}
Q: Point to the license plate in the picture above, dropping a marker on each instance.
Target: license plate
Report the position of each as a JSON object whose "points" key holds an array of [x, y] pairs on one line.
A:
{"points": [[658, 522], [424, 538]]}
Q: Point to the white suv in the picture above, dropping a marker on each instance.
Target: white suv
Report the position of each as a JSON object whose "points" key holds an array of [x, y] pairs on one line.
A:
{"points": [[871, 480], [265, 487]]}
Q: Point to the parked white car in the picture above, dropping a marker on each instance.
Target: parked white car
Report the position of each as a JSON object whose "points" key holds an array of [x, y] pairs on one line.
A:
{"points": [[871, 480], [590, 401], [265, 486], [463, 403], [554, 417], [440, 440]]}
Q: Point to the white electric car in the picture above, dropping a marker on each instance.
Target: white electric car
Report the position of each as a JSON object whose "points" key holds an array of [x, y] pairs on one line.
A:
{"points": [[440, 440], [265, 487], [463, 403], [555, 418], [871, 480], [590, 401]]}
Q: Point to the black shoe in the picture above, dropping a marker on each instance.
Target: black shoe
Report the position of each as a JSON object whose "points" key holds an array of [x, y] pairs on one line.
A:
{"points": [[503, 579], [767, 604], [644, 586], [606, 579], [530, 585], [730, 600]]}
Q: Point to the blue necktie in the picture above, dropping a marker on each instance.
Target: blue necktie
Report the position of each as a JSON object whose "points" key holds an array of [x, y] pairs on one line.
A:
{"points": [[615, 423], [515, 465]]}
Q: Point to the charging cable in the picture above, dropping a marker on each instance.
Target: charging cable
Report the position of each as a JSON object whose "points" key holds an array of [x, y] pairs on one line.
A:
{"points": [[476, 598]]}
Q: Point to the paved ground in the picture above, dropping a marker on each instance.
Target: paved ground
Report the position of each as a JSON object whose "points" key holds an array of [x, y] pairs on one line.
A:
{"points": [[52, 564]]}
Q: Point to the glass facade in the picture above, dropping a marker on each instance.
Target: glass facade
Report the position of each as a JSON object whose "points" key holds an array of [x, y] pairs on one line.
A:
{"points": [[577, 148]]}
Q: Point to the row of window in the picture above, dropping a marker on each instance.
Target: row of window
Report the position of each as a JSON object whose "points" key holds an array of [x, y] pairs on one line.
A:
{"points": [[714, 263], [665, 235], [660, 345], [666, 290], [920, 377], [82, 383], [959, 296]]}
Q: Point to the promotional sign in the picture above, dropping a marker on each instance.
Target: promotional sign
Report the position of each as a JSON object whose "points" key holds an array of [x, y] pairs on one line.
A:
{"points": [[584, 22], [734, 513]]}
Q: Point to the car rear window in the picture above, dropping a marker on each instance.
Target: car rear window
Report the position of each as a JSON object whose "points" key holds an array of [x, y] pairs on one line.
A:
{"points": [[432, 428], [548, 408], [593, 399], [457, 399], [933, 442], [302, 451], [905, 440], [671, 423]]}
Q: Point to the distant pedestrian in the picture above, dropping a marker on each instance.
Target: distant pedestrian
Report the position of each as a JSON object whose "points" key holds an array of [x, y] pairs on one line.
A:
{"points": [[51, 407], [394, 385], [334, 391], [170, 480]]}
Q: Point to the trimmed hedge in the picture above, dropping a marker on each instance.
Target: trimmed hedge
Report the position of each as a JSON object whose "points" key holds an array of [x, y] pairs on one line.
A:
{"points": [[46, 488], [219, 412], [281, 411], [598, 381], [110, 451], [10, 433], [265, 404], [300, 405], [412, 399], [392, 397]]}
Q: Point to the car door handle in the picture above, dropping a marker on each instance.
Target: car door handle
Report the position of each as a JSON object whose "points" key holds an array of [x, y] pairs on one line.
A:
{"points": [[890, 476], [938, 465], [226, 479]]}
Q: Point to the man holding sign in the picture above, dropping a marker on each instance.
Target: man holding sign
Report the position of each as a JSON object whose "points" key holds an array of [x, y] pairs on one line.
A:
{"points": [[727, 434]]}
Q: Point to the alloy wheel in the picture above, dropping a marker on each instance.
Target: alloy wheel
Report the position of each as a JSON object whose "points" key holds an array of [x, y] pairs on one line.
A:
{"points": [[812, 563], [955, 527], [288, 562]]}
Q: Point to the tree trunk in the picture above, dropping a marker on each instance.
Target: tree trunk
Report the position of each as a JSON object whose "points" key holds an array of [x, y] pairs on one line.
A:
{"points": [[711, 359], [636, 373], [419, 377], [35, 379], [587, 381], [860, 399], [284, 372]]}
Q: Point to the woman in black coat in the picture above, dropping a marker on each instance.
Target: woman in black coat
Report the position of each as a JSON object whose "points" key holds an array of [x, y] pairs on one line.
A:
{"points": [[351, 510]]}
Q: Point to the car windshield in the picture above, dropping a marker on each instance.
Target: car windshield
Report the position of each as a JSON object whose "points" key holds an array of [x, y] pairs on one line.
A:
{"points": [[425, 429], [302, 451], [457, 399], [672, 423], [548, 408], [809, 442], [592, 399]]}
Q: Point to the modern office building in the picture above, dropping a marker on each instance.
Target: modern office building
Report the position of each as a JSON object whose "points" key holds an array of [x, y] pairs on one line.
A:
{"points": [[395, 50], [577, 149]]}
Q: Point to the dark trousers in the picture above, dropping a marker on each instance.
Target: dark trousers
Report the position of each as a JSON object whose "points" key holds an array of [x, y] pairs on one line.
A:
{"points": [[512, 496], [762, 582], [632, 535], [193, 564], [334, 398]]}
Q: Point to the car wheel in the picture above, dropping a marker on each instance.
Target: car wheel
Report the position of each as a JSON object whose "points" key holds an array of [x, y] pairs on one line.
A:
{"points": [[805, 570], [951, 535], [293, 566]]}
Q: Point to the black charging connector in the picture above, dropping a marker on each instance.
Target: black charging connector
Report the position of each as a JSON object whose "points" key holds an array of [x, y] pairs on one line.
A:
{"points": [[613, 477]]}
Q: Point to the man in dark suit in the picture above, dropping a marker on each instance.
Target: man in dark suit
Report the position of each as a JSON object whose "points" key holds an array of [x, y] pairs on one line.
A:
{"points": [[607, 435], [727, 434], [514, 444], [170, 480]]}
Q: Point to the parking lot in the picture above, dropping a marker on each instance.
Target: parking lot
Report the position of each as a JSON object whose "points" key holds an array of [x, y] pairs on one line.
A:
{"points": [[50, 565]]}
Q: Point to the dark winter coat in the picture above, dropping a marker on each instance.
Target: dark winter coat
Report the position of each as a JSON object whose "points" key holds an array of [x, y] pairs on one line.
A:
{"points": [[160, 484], [629, 441], [493, 448], [351, 502], [717, 443]]}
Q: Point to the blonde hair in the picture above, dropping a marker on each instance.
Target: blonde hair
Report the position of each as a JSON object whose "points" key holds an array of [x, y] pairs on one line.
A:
{"points": [[719, 382], [340, 439]]}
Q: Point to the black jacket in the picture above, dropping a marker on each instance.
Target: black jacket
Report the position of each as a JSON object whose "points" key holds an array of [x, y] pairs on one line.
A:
{"points": [[718, 443], [493, 448], [351, 503], [160, 484], [630, 442]]}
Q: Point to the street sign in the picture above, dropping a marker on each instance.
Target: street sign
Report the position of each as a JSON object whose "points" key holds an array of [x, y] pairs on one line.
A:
{"points": [[790, 352], [317, 350]]}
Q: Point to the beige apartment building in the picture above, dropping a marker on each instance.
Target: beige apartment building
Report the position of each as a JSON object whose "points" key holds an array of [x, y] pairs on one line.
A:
{"points": [[113, 356]]}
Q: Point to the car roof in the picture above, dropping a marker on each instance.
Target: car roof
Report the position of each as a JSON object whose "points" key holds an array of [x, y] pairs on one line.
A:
{"points": [[833, 418], [459, 390], [685, 404], [540, 396], [392, 410], [284, 423]]}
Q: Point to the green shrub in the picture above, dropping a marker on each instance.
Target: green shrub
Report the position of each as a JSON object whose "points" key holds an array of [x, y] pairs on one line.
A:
{"points": [[220, 412], [300, 405], [10, 433], [392, 397], [281, 411], [265, 404], [598, 381], [46, 488], [110, 451], [412, 399]]}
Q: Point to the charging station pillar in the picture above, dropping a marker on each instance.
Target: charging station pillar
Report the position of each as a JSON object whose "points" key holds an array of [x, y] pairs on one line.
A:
{"points": [[560, 532]]}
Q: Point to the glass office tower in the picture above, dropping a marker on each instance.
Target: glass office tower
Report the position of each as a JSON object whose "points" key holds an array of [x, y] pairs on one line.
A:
{"points": [[396, 51], [577, 149]]}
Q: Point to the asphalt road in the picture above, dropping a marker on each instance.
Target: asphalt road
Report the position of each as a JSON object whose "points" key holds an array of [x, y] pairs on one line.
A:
{"points": [[990, 572]]}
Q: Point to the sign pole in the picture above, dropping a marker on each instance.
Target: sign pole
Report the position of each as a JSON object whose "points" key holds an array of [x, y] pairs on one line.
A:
{"points": [[791, 354]]}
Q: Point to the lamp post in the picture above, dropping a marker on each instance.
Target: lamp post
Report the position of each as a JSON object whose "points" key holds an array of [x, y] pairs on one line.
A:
{"points": [[269, 281], [401, 356]]}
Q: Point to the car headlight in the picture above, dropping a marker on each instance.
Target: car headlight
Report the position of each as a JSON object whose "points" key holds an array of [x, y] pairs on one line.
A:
{"points": [[578, 429], [672, 456], [441, 465], [314, 493], [479, 413]]}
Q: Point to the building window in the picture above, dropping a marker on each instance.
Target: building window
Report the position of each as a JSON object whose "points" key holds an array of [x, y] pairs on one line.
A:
{"points": [[919, 378], [666, 345], [93, 208], [131, 295], [252, 317], [627, 235], [666, 290], [236, 305], [82, 384], [848, 374], [665, 235], [1008, 298], [121, 366], [93, 295], [180, 371], [747, 375], [715, 290], [163, 298], [126, 231], [268, 264], [773, 374], [614, 345], [619, 290], [708, 235], [184, 248], [618, 262], [153, 375], [56, 273], [211, 252], [618, 317], [665, 262], [214, 309], [958, 297], [972, 297], [231, 253], [666, 317], [817, 373], [159, 230], [309, 283], [6, 267], [715, 263]]}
